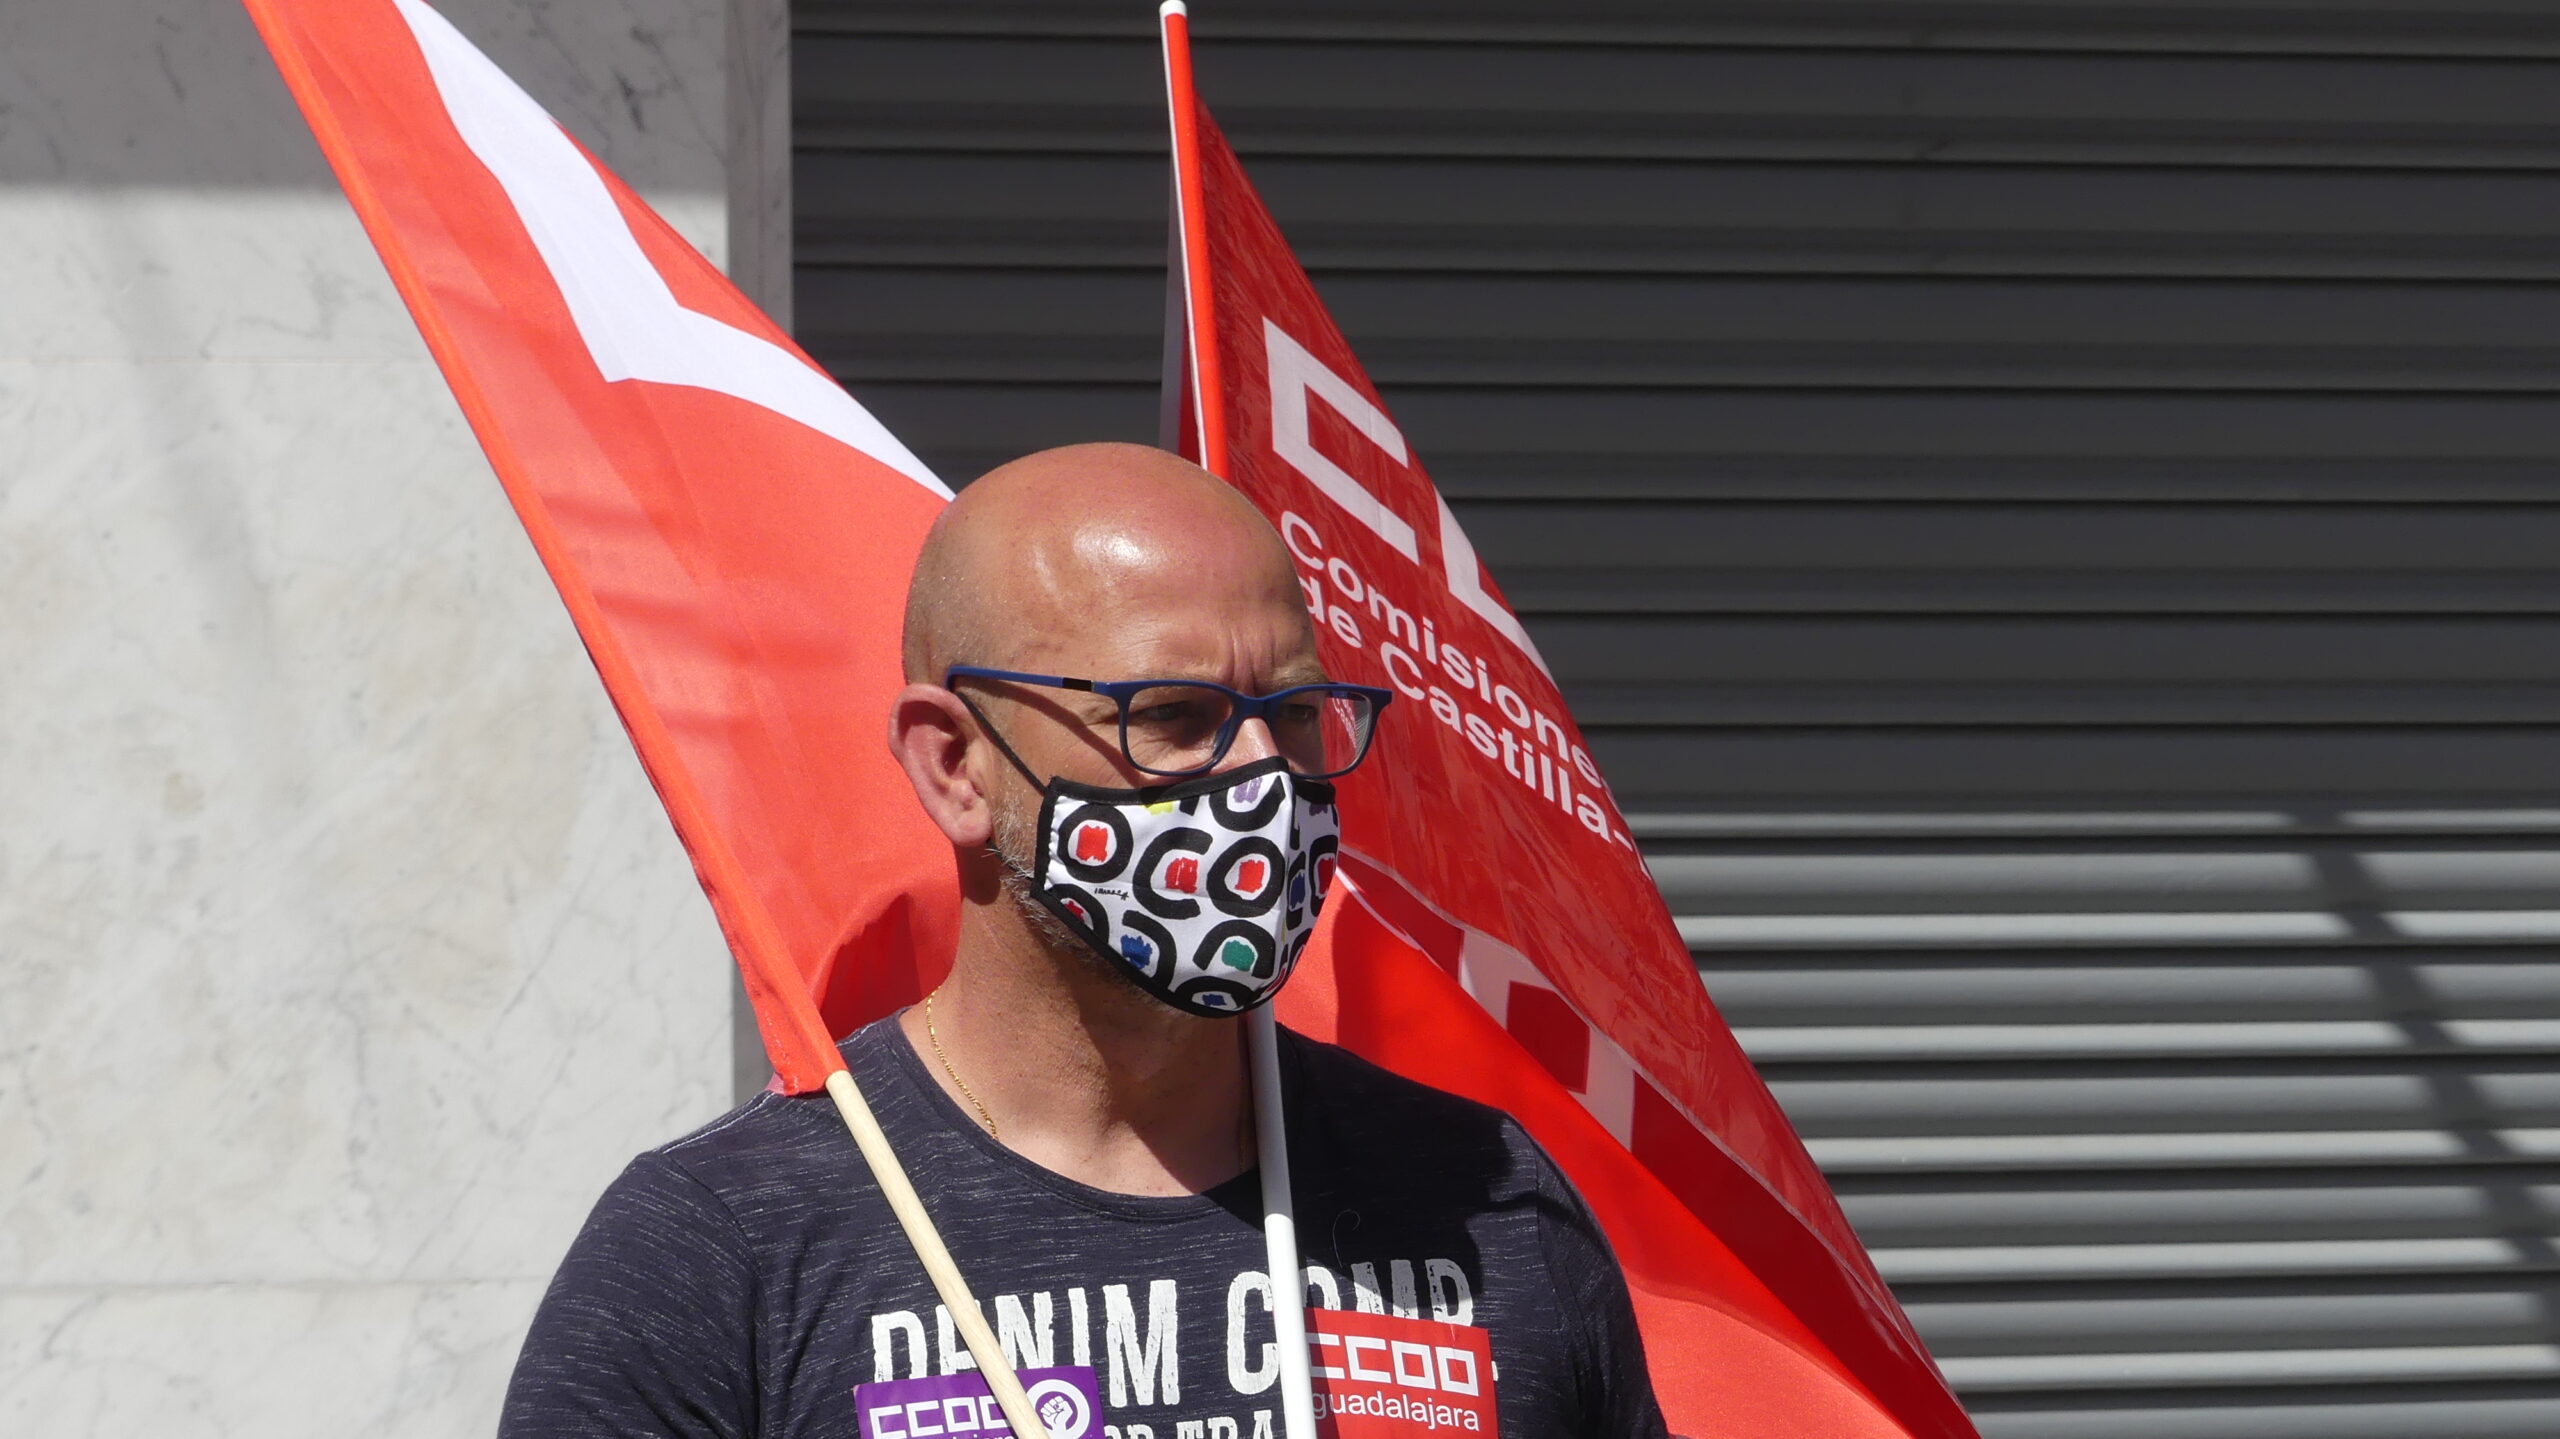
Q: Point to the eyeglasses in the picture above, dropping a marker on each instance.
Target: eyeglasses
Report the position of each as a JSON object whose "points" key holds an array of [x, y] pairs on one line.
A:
{"points": [[1177, 728]]}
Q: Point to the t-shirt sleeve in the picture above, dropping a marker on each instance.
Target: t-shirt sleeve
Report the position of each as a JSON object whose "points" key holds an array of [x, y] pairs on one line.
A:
{"points": [[1591, 1291], [648, 1328]]}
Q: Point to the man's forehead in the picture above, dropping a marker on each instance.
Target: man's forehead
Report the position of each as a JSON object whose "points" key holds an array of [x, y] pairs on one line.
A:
{"points": [[1104, 555], [1198, 553], [1160, 626]]}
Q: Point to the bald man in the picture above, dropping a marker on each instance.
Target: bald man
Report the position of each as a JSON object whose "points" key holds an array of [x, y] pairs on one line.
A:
{"points": [[1116, 715]]}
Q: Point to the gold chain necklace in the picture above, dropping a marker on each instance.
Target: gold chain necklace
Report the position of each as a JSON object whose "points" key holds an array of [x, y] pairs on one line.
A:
{"points": [[1244, 1119], [953, 1075]]}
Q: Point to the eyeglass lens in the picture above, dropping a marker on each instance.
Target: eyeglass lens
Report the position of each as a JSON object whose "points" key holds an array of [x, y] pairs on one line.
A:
{"points": [[1175, 728]]}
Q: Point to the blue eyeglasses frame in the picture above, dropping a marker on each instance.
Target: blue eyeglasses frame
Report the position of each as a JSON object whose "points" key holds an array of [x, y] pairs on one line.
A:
{"points": [[1246, 707]]}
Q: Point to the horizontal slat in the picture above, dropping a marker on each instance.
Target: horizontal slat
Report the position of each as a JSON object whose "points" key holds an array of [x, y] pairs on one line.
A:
{"points": [[2308, 892], [2167, 703], [1558, 558], [2491, 925], [2057, 879], [1719, 670], [1998, 930], [2046, 1263], [2168, 1042], [2408, 1095], [2405, 587], [1388, 214], [1976, 426], [2406, 986], [2184, 1370], [2484, 1410], [1636, 101], [2205, 1324], [2275, 766], [1913, 1213], [2067, 1148], [1662, 826], [2309, 927], [2100, 652], [1411, 216], [1604, 331], [1803, 447], [2390, 27]]}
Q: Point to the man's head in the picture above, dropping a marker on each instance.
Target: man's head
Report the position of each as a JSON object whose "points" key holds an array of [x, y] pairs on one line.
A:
{"points": [[1100, 561], [1074, 560]]}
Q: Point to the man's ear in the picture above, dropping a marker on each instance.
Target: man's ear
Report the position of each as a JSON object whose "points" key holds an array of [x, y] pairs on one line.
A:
{"points": [[931, 736]]}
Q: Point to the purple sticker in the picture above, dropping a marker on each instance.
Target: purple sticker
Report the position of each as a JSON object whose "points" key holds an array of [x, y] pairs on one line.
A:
{"points": [[960, 1406]]}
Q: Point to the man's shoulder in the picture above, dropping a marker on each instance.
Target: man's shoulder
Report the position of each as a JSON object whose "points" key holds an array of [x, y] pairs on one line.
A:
{"points": [[774, 1126], [765, 1119], [772, 1139]]}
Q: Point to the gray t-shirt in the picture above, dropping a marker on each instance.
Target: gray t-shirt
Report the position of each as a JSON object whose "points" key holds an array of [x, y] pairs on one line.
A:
{"points": [[742, 1280]]}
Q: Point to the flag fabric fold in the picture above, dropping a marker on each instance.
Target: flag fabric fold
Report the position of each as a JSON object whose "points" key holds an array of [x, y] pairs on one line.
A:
{"points": [[732, 533]]}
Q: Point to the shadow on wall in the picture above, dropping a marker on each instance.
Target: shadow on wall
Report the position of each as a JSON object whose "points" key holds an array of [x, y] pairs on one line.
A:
{"points": [[2136, 1104], [180, 93]]}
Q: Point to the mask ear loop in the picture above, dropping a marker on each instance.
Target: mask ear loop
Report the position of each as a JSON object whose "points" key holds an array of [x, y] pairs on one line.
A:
{"points": [[1002, 748], [1002, 858]]}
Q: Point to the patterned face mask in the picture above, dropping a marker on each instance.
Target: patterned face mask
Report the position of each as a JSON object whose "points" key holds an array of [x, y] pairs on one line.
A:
{"points": [[1204, 892]]}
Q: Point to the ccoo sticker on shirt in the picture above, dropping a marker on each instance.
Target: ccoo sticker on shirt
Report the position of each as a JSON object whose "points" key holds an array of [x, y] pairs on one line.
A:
{"points": [[959, 1406], [1381, 1377]]}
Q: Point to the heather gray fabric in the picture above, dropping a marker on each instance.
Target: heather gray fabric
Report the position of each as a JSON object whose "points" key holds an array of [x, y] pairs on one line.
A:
{"points": [[742, 1280]]}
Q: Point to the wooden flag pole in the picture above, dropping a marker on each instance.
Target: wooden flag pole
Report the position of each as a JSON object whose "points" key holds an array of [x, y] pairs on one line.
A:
{"points": [[929, 1248]]}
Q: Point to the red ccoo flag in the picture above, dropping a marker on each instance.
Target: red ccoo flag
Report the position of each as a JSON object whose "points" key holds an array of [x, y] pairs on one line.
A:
{"points": [[1509, 944]]}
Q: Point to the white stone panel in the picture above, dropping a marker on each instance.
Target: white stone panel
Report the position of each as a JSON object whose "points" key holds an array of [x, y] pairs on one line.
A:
{"points": [[334, 829], [252, 1361], [345, 953]]}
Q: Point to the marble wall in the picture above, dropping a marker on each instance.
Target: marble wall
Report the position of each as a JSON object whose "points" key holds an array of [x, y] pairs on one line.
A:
{"points": [[344, 952]]}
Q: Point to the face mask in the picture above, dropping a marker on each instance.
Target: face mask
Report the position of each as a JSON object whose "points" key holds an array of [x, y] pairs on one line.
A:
{"points": [[1204, 892]]}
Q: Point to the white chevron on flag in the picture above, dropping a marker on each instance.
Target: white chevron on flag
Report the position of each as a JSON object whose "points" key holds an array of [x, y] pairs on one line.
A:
{"points": [[623, 308]]}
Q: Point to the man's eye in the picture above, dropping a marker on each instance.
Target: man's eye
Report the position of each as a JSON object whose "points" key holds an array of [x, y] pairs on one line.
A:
{"points": [[1297, 714]]}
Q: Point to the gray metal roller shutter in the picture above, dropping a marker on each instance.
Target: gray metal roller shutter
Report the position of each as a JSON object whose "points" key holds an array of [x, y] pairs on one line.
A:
{"points": [[2051, 514]]}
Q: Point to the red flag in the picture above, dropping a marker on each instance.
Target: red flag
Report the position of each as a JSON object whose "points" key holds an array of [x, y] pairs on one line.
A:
{"points": [[1509, 944], [731, 532]]}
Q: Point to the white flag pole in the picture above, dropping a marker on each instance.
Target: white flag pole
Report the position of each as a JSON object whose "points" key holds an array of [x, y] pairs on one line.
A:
{"points": [[1280, 1228]]}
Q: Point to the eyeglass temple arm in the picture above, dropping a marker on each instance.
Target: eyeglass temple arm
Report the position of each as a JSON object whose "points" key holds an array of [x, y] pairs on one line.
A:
{"points": [[1062, 682]]}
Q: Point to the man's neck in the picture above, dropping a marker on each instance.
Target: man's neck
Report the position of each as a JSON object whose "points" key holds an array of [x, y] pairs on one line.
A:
{"points": [[1082, 1073]]}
